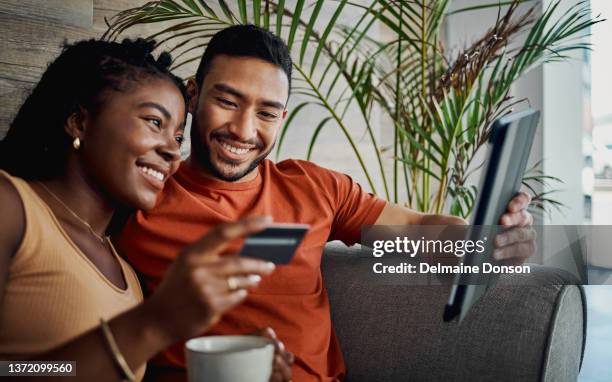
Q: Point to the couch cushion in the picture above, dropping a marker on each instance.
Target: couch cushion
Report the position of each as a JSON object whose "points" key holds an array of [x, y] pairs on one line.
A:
{"points": [[396, 332]]}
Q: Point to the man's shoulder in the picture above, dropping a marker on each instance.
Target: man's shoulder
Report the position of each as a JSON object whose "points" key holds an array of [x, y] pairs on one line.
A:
{"points": [[299, 166], [306, 173]]}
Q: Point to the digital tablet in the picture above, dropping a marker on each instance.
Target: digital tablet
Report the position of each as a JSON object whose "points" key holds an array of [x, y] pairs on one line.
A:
{"points": [[509, 143], [277, 243]]}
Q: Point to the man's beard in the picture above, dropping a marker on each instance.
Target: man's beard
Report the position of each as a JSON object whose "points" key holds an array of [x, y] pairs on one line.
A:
{"points": [[203, 155]]}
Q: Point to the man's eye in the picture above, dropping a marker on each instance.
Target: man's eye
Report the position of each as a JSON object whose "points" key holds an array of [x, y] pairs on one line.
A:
{"points": [[226, 102], [267, 115]]}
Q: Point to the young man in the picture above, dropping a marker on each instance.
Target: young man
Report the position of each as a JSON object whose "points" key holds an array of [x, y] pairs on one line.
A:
{"points": [[238, 103]]}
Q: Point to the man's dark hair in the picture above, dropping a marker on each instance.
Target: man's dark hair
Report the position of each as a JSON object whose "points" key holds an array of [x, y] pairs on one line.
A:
{"points": [[36, 145], [246, 41]]}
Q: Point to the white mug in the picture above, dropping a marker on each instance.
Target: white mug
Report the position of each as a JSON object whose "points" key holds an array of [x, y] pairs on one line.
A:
{"points": [[229, 359]]}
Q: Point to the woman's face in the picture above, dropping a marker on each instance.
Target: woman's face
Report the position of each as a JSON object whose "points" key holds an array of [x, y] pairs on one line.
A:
{"points": [[130, 145]]}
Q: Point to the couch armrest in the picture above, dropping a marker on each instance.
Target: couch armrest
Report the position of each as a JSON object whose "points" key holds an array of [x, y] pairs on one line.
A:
{"points": [[396, 332]]}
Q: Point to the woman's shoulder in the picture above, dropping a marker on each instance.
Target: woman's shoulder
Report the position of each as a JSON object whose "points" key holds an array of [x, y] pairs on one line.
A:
{"points": [[12, 223]]}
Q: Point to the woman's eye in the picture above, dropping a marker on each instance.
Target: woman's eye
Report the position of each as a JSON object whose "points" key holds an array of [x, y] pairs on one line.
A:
{"points": [[179, 139], [154, 121]]}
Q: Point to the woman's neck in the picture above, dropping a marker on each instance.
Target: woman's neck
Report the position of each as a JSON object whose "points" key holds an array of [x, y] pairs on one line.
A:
{"points": [[82, 197]]}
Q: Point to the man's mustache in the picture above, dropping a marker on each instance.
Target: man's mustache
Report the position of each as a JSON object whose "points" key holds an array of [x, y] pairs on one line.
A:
{"points": [[231, 137]]}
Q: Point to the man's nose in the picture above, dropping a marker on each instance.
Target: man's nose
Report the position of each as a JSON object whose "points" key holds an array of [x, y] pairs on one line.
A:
{"points": [[244, 126]]}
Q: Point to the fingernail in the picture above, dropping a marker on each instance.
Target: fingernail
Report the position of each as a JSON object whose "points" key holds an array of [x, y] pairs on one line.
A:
{"points": [[497, 254], [242, 292], [270, 266], [264, 219], [254, 278]]}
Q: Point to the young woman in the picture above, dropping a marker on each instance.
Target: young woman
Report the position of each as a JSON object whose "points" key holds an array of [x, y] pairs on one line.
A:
{"points": [[100, 132]]}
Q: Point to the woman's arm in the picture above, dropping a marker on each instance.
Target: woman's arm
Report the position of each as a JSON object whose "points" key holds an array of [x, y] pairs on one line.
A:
{"points": [[137, 334], [12, 225], [194, 295]]}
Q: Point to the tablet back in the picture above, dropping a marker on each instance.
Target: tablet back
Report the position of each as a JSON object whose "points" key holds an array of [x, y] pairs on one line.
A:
{"points": [[510, 144], [510, 140]]}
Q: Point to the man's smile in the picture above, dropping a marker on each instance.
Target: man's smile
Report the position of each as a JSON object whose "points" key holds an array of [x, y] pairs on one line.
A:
{"points": [[233, 150]]}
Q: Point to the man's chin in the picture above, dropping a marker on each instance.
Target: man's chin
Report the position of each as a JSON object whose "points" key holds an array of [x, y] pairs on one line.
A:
{"points": [[224, 168], [233, 174]]}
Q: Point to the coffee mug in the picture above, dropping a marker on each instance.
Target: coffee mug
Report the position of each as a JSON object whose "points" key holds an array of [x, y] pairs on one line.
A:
{"points": [[229, 359]]}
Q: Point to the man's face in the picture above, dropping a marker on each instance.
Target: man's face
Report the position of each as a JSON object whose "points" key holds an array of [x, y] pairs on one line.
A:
{"points": [[237, 113]]}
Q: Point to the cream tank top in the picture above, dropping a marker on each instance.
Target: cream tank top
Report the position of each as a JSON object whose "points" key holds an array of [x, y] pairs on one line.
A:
{"points": [[53, 292]]}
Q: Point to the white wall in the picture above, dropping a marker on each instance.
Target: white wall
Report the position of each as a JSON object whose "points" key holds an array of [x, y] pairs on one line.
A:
{"points": [[556, 90], [332, 149]]}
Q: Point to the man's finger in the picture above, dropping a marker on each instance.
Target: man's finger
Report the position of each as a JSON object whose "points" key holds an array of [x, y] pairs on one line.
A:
{"points": [[514, 235], [519, 250], [521, 219], [519, 202]]}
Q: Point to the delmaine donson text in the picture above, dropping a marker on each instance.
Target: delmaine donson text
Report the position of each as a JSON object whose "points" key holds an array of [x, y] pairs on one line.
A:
{"points": [[423, 246]]}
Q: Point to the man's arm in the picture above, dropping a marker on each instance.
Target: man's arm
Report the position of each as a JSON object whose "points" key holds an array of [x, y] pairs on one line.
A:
{"points": [[515, 243], [516, 215], [394, 214]]}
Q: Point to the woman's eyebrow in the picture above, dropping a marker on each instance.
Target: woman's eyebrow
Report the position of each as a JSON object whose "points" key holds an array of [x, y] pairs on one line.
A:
{"points": [[157, 106]]}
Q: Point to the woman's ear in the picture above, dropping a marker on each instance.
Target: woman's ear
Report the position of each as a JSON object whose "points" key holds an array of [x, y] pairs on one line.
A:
{"points": [[192, 92], [76, 123]]}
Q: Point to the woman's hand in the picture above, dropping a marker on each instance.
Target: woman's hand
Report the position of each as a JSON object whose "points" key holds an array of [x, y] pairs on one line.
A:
{"points": [[283, 359], [201, 285]]}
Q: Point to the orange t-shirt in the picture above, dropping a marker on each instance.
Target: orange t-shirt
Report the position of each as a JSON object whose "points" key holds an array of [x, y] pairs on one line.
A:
{"points": [[293, 300]]}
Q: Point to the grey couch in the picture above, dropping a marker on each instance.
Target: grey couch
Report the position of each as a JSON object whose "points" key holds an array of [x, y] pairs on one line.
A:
{"points": [[396, 332]]}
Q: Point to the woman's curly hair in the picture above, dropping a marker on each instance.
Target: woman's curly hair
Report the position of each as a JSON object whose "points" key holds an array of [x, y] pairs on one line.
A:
{"points": [[36, 145]]}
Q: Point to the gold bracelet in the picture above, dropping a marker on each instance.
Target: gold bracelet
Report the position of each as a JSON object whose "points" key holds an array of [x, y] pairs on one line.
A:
{"points": [[120, 361]]}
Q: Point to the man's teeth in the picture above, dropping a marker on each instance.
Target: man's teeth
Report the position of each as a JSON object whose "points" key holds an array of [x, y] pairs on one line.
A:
{"points": [[235, 150], [150, 171]]}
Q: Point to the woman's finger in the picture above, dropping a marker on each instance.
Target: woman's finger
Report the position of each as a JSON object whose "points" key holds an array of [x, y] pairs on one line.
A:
{"points": [[282, 367], [242, 282], [217, 239], [276, 376], [234, 265], [231, 299]]}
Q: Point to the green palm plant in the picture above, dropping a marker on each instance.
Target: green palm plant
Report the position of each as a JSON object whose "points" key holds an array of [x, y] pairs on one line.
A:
{"points": [[441, 108]]}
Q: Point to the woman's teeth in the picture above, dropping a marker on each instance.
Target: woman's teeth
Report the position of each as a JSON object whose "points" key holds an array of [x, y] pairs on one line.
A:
{"points": [[150, 171], [235, 150]]}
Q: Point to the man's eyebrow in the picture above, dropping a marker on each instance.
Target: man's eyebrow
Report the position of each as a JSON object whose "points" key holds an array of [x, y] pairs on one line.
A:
{"points": [[157, 106], [274, 104], [230, 90]]}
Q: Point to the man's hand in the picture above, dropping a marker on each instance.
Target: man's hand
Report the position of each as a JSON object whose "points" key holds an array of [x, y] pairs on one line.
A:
{"points": [[519, 242], [283, 359], [514, 245]]}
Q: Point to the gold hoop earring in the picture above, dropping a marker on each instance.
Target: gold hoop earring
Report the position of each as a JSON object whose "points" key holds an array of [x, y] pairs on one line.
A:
{"points": [[76, 143]]}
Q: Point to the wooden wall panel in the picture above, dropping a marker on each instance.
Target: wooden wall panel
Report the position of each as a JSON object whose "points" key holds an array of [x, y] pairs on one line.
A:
{"points": [[77, 13], [29, 43], [33, 33]]}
